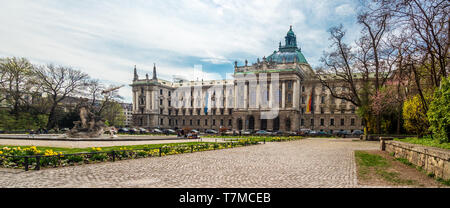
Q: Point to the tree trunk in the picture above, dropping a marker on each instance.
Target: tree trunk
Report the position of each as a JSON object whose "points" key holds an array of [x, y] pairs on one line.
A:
{"points": [[52, 117]]}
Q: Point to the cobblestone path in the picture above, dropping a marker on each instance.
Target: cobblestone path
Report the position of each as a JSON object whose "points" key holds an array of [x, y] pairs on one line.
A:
{"points": [[304, 163]]}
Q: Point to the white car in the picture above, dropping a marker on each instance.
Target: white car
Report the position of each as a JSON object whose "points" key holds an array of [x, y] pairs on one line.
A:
{"points": [[158, 131]]}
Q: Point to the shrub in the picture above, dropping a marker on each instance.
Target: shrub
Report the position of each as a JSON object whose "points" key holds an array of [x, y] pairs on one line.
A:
{"points": [[99, 157], [439, 112], [414, 115], [74, 158]]}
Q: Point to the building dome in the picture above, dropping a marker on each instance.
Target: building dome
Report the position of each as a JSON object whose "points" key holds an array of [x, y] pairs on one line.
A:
{"points": [[289, 57], [289, 52]]}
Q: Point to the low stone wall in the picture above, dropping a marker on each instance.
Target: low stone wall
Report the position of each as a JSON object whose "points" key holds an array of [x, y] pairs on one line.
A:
{"points": [[431, 159], [376, 137]]}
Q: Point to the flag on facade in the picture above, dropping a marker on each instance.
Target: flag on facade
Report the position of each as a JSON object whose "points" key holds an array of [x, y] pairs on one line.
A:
{"points": [[206, 103], [308, 108]]}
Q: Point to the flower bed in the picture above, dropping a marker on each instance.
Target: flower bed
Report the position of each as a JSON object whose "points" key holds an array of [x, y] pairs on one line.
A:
{"points": [[32, 158], [258, 138]]}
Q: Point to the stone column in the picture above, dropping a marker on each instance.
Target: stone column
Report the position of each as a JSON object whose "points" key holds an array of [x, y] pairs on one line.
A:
{"points": [[295, 96], [147, 101], [137, 100], [245, 95], [270, 124], [154, 100], [134, 102], [283, 95], [282, 122], [270, 95], [257, 122], [235, 96], [257, 95]]}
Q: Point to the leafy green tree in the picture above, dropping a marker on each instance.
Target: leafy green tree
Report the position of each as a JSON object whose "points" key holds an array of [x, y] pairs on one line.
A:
{"points": [[439, 112], [17, 83], [113, 114], [22, 121]]}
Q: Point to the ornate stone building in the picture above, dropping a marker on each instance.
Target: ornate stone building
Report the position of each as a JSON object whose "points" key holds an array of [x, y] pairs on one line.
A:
{"points": [[281, 92]]}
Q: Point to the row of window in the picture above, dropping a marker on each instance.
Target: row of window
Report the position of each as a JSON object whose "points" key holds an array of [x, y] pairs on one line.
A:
{"points": [[322, 100], [183, 122], [322, 122], [322, 110], [198, 111]]}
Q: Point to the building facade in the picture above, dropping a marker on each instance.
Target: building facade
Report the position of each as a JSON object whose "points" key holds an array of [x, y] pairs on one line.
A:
{"points": [[128, 113], [279, 92]]}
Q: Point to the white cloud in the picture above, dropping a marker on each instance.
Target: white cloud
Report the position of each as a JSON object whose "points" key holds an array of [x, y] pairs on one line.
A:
{"points": [[107, 38], [345, 10]]}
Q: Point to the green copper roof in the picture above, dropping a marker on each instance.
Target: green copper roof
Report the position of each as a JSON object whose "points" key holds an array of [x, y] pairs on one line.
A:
{"points": [[290, 32], [290, 52], [278, 57]]}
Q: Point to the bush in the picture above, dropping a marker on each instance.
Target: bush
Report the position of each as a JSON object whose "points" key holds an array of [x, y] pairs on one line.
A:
{"points": [[439, 112], [415, 116], [74, 158]]}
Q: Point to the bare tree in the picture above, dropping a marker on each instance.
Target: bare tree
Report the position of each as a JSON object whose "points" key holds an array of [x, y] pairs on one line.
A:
{"points": [[102, 97], [59, 82], [423, 27], [427, 22], [340, 72]]}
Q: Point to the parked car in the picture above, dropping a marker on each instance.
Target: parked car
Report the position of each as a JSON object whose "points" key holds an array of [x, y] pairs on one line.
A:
{"points": [[211, 131], [323, 133], [341, 133], [157, 131], [303, 132], [312, 133], [169, 131], [124, 130], [246, 132], [279, 133], [193, 134], [133, 131], [195, 131], [142, 130], [228, 132], [263, 132], [357, 133], [291, 133]]}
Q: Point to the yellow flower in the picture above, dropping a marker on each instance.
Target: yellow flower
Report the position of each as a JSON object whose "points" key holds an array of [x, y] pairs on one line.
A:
{"points": [[1, 152]]}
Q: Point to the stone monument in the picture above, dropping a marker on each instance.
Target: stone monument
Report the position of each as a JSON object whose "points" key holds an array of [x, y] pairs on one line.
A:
{"points": [[88, 127]]}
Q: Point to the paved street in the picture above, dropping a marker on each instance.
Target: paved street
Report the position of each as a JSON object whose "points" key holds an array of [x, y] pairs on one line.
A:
{"points": [[304, 163]]}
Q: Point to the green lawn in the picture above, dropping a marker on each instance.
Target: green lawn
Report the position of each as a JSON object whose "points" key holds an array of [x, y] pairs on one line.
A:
{"points": [[425, 141], [66, 150], [378, 165]]}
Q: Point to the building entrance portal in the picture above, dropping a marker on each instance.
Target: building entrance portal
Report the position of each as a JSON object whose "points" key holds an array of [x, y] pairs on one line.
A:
{"points": [[239, 124], [251, 123], [276, 124], [288, 124], [263, 124]]}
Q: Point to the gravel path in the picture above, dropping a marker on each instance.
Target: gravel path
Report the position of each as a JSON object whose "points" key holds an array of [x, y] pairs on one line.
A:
{"points": [[304, 163]]}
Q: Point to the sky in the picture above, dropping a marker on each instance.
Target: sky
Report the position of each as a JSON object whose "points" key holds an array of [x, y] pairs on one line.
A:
{"points": [[107, 38]]}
